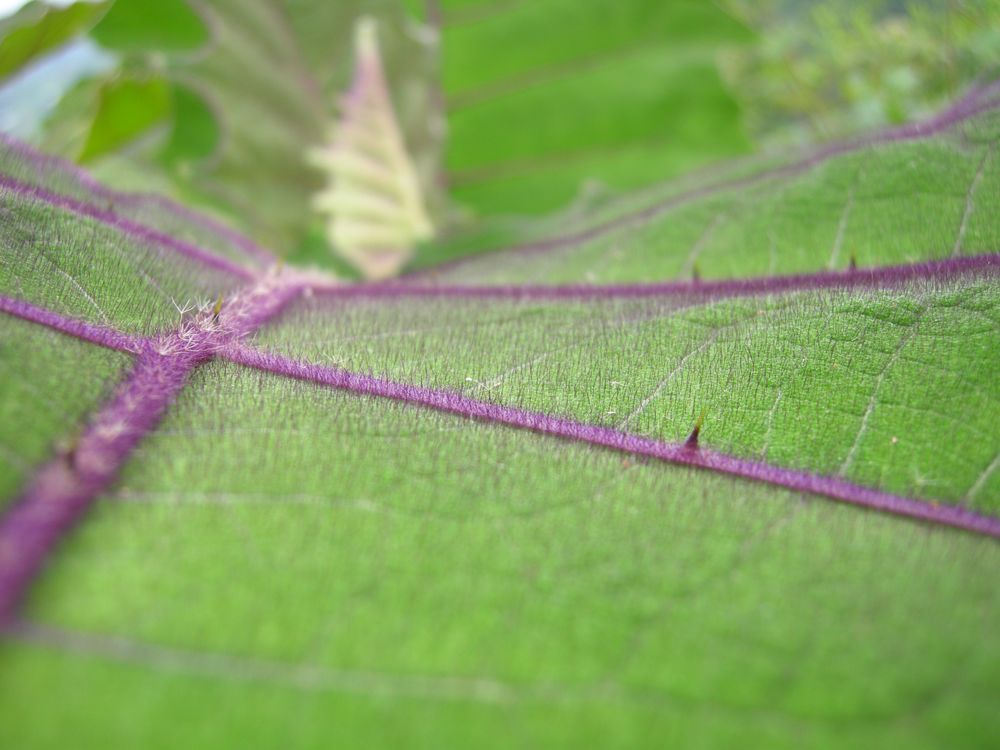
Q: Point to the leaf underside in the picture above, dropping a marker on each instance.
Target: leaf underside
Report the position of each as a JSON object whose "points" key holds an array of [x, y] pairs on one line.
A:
{"points": [[278, 561]]}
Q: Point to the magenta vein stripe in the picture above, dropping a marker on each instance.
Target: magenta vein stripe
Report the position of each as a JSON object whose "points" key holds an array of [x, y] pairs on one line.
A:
{"points": [[106, 337], [61, 493], [861, 277], [977, 101], [44, 162], [675, 453], [125, 226]]}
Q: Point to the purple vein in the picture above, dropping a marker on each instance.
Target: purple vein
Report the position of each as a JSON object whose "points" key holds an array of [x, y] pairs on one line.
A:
{"points": [[60, 494], [977, 101], [99, 335], [43, 162], [607, 437], [859, 277], [126, 226]]}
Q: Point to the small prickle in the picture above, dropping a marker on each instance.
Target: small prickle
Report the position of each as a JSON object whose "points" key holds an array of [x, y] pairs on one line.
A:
{"points": [[692, 439]]}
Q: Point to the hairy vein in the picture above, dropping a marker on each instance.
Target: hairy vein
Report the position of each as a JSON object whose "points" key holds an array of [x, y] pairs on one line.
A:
{"points": [[674, 453], [106, 337], [47, 162], [761, 285], [126, 226]]}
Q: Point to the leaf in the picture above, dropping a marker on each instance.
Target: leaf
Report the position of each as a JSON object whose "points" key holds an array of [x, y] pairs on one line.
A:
{"points": [[376, 212], [454, 510], [195, 134], [38, 28], [163, 25], [126, 109], [639, 79]]}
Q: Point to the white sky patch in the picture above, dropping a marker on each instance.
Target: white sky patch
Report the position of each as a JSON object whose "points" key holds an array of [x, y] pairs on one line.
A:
{"points": [[9, 7]]}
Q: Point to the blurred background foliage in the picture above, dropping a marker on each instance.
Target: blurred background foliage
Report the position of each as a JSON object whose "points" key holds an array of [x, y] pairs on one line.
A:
{"points": [[820, 70], [509, 107]]}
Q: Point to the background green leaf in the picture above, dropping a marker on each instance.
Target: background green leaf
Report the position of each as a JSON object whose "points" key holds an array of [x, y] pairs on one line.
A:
{"points": [[126, 108], [152, 25], [38, 28], [607, 90]]}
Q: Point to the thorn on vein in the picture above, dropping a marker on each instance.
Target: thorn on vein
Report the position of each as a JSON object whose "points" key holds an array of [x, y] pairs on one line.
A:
{"points": [[65, 450], [692, 440]]}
